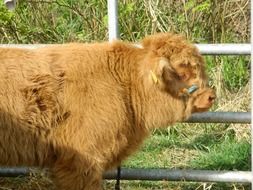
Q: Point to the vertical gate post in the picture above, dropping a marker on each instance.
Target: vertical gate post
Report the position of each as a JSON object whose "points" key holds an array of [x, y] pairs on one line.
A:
{"points": [[112, 7]]}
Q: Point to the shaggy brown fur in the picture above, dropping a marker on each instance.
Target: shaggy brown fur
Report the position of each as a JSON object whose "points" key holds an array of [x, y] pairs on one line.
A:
{"points": [[81, 109]]}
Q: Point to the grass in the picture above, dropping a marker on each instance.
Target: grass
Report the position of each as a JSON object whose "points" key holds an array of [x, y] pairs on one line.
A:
{"points": [[215, 150], [228, 155]]}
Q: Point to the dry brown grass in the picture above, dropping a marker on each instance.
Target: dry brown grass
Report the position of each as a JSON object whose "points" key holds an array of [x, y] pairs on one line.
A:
{"points": [[38, 180]]}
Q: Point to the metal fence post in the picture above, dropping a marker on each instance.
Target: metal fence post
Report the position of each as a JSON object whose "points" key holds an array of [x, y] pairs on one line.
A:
{"points": [[112, 6]]}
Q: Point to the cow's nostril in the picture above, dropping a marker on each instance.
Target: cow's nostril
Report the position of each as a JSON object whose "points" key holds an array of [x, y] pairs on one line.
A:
{"points": [[211, 98]]}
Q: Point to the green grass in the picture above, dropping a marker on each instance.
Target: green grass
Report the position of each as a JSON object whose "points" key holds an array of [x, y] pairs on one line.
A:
{"points": [[228, 155], [165, 185], [213, 150], [231, 71]]}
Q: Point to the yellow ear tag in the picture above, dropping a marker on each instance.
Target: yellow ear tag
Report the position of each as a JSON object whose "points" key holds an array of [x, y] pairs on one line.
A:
{"points": [[154, 77]]}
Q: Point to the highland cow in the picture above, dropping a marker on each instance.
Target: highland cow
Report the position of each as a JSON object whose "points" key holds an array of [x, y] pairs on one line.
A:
{"points": [[80, 109]]}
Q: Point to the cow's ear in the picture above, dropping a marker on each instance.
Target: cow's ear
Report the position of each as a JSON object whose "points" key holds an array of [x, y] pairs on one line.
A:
{"points": [[155, 69], [172, 81], [163, 76]]}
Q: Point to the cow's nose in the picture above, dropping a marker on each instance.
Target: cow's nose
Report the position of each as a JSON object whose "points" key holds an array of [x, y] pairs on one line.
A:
{"points": [[211, 98]]}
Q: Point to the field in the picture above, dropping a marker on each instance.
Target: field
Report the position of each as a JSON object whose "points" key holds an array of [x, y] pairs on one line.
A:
{"points": [[191, 146]]}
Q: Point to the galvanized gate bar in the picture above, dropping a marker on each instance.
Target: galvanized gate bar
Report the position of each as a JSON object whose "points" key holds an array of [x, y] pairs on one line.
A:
{"points": [[156, 175], [225, 49], [205, 49], [14, 171], [181, 175], [221, 117], [112, 8]]}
